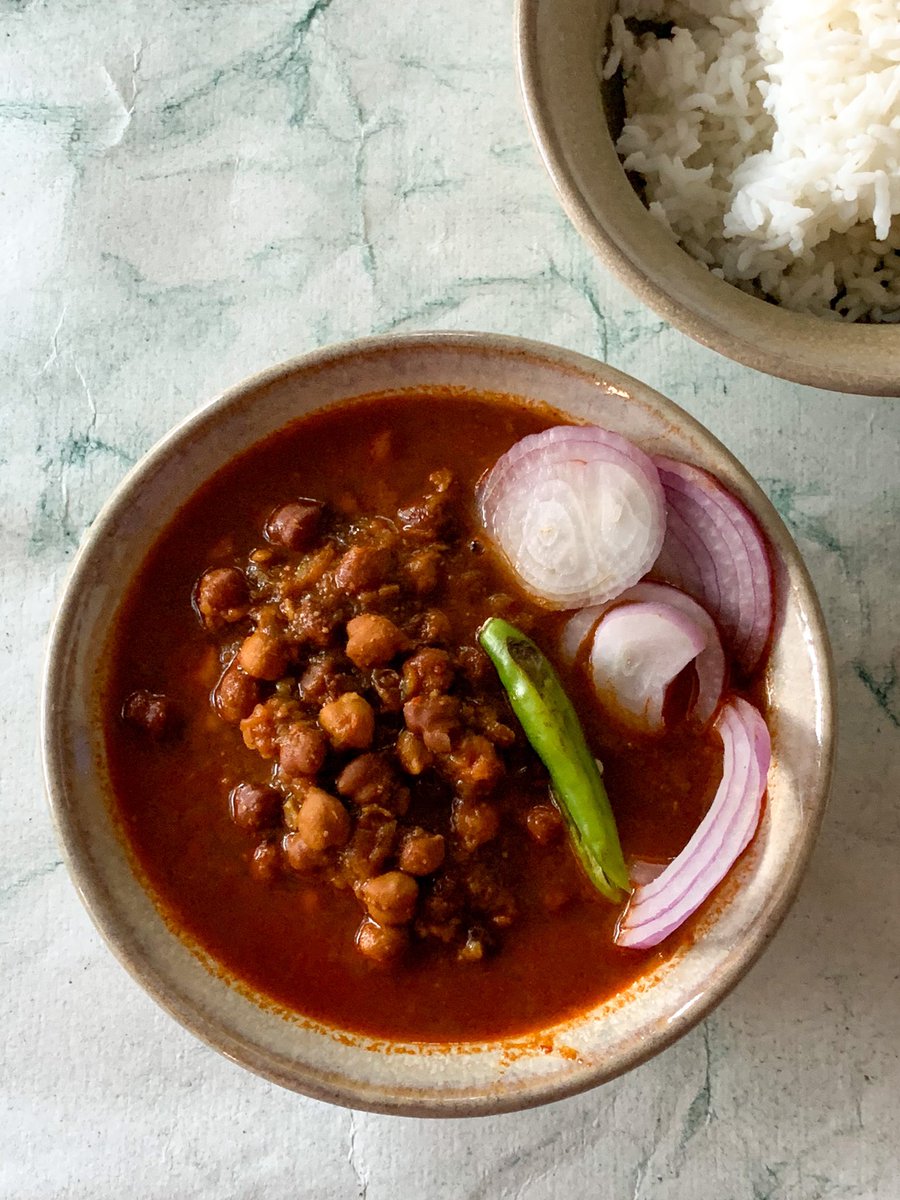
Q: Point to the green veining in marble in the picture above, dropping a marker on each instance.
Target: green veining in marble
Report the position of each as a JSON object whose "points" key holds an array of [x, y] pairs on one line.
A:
{"points": [[11, 887], [883, 688], [785, 495]]}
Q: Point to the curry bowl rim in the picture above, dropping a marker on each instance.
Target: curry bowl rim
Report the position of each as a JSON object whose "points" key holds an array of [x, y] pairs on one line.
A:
{"points": [[62, 791]]}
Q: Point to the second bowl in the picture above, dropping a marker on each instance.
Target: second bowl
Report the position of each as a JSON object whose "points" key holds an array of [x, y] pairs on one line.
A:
{"points": [[560, 44]]}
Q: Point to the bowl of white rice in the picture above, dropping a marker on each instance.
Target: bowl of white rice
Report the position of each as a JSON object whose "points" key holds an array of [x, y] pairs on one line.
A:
{"points": [[737, 164]]}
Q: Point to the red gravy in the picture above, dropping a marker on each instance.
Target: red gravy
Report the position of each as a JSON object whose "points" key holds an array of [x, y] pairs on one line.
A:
{"points": [[505, 936]]}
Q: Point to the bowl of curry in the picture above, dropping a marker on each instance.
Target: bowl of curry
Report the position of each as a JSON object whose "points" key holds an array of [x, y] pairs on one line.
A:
{"points": [[301, 800]]}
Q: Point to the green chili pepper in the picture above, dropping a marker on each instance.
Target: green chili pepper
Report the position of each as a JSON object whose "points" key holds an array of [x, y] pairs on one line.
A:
{"points": [[554, 731]]}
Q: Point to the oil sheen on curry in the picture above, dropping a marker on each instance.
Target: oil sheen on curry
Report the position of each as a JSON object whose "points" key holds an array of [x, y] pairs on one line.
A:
{"points": [[318, 767]]}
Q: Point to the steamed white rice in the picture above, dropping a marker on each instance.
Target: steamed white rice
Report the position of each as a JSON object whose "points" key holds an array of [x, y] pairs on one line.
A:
{"points": [[767, 133]]}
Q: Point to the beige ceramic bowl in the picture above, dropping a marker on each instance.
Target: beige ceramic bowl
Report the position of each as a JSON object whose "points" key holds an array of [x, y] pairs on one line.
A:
{"points": [[560, 43], [328, 1063]]}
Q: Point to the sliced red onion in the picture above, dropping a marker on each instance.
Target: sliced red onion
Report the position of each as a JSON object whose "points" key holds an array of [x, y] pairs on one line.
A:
{"points": [[578, 511], [715, 551], [638, 651], [709, 663], [656, 909]]}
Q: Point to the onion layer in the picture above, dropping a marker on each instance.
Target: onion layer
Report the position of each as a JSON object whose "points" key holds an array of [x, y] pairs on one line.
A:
{"points": [[656, 909], [709, 663], [714, 551], [578, 511], [638, 651]]}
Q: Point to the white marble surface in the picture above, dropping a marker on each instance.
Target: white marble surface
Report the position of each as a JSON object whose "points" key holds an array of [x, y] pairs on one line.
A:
{"points": [[190, 190]]}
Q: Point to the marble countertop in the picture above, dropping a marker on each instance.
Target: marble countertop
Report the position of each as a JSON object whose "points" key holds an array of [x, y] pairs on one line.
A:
{"points": [[192, 190]]}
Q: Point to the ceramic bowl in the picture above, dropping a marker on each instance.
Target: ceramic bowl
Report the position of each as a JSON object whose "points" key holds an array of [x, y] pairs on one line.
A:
{"points": [[559, 44], [333, 1064]]}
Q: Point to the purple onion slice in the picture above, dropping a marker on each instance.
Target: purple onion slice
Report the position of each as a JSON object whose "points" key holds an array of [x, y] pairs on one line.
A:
{"points": [[714, 550], [639, 649], [709, 662], [659, 907], [578, 511]]}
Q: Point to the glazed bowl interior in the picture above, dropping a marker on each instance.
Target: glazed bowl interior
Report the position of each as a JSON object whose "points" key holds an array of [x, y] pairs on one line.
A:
{"points": [[560, 45], [334, 1064]]}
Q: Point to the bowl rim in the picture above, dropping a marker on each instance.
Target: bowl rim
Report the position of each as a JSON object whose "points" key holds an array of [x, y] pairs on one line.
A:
{"points": [[165, 991], [855, 358]]}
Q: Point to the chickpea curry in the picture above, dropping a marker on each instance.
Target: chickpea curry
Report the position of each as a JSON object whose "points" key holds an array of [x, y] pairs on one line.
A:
{"points": [[316, 765]]}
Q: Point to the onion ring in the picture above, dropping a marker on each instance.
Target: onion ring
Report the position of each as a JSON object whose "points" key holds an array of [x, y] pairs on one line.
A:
{"points": [[709, 663], [714, 550], [658, 908], [578, 511], [638, 651]]}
